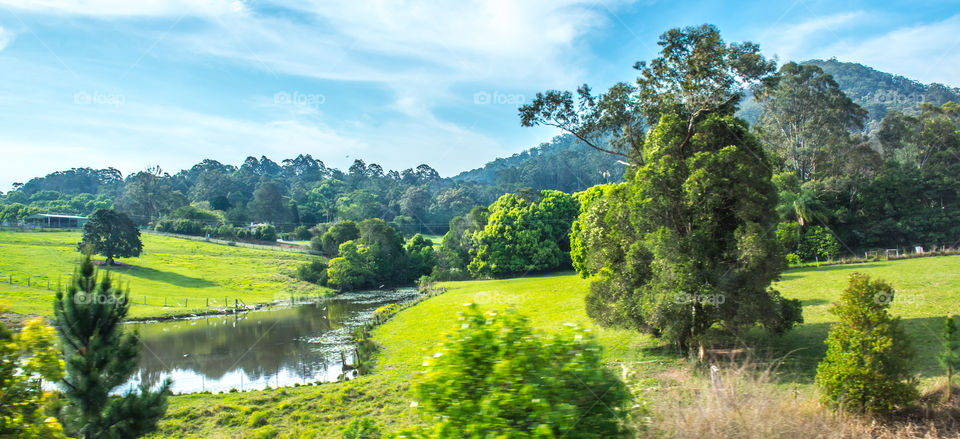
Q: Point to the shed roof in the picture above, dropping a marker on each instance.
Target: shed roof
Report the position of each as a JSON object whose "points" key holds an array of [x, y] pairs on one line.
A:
{"points": [[54, 215]]}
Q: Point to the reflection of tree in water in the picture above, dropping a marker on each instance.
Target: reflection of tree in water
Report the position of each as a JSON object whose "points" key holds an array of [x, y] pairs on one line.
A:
{"points": [[259, 343]]}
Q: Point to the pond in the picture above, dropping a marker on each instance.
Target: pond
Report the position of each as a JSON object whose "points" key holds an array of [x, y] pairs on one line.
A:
{"points": [[299, 344]]}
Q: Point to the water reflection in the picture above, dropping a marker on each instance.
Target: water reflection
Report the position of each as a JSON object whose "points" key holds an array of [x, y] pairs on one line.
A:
{"points": [[296, 345]]}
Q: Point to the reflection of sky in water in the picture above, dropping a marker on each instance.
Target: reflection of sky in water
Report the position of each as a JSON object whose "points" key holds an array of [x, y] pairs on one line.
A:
{"points": [[275, 348]]}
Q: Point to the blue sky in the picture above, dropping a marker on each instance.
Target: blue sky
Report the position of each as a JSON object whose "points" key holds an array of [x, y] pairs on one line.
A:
{"points": [[132, 84]]}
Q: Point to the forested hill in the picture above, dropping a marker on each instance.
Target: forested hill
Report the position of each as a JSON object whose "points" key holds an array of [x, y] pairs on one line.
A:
{"points": [[877, 92], [880, 92], [563, 164]]}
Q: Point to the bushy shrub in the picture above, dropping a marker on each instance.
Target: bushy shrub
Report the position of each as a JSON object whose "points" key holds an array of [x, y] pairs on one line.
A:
{"points": [[302, 233], [818, 243], [181, 226], [363, 428], [788, 235], [226, 232], [495, 376], [265, 232], [867, 366], [314, 271]]}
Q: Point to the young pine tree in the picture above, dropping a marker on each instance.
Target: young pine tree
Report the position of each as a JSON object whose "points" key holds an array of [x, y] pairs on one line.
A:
{"points": [[867, 367], [100, 356], [950, 356]]}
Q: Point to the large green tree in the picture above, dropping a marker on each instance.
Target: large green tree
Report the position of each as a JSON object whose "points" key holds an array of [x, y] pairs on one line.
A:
{"points": [[111, 234], [806, 118], [268, 203], [100, 357], [687, 243]]}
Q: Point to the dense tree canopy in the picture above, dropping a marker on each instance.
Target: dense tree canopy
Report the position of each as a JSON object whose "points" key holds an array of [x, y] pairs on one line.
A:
{"points": [[523, 236], [111, 234]]}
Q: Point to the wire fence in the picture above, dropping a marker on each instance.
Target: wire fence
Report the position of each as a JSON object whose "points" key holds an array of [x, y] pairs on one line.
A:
{"points": [[212, 303]]}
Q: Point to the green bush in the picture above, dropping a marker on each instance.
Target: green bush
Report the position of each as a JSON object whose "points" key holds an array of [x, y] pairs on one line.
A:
{"points": [[363, 428], [818, 243], [226, 232], [265, 232], [302, 233], [867, 366], [496, 377], [314, 272]]}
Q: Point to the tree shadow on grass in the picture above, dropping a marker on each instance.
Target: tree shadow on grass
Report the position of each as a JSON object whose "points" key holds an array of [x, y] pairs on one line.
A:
{"points": [[797, 353], [851, 267], [164, 276]]}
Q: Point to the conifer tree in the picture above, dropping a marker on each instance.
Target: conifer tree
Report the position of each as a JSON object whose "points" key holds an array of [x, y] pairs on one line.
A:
{"points": [[100, 356], [867, 366]]}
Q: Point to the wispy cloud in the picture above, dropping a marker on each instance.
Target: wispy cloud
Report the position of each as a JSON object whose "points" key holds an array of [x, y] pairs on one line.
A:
{"points": [[927, 52], [795, 42], [6, 37]]}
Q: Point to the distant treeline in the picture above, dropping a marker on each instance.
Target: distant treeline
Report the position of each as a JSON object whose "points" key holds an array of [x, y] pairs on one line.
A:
{"points": [[303, 191]]}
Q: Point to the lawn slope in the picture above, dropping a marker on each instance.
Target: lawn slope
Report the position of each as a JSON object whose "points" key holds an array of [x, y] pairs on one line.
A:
{"points": [[549, 301], [180, 273]]}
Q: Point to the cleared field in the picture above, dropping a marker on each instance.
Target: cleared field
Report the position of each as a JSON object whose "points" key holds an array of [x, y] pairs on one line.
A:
{"points": [[171, 277]]}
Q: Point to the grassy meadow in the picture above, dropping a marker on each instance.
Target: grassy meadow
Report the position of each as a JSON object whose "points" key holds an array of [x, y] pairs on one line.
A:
{"points": [[928, 288], [180, 272]]}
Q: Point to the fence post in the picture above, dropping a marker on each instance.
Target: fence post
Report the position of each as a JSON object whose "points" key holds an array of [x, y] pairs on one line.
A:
{"points": [[164, 302], [186, 302], [28, 281], [11, 279], [144, 300]]}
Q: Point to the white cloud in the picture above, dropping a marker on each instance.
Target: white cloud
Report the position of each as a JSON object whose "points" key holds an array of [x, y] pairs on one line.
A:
{"points": [[6, 36], [793, 42], [927, 52]]}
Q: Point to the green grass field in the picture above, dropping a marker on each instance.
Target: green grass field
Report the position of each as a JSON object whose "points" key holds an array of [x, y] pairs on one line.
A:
{"points": [[181, 272], [929, 289]]}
